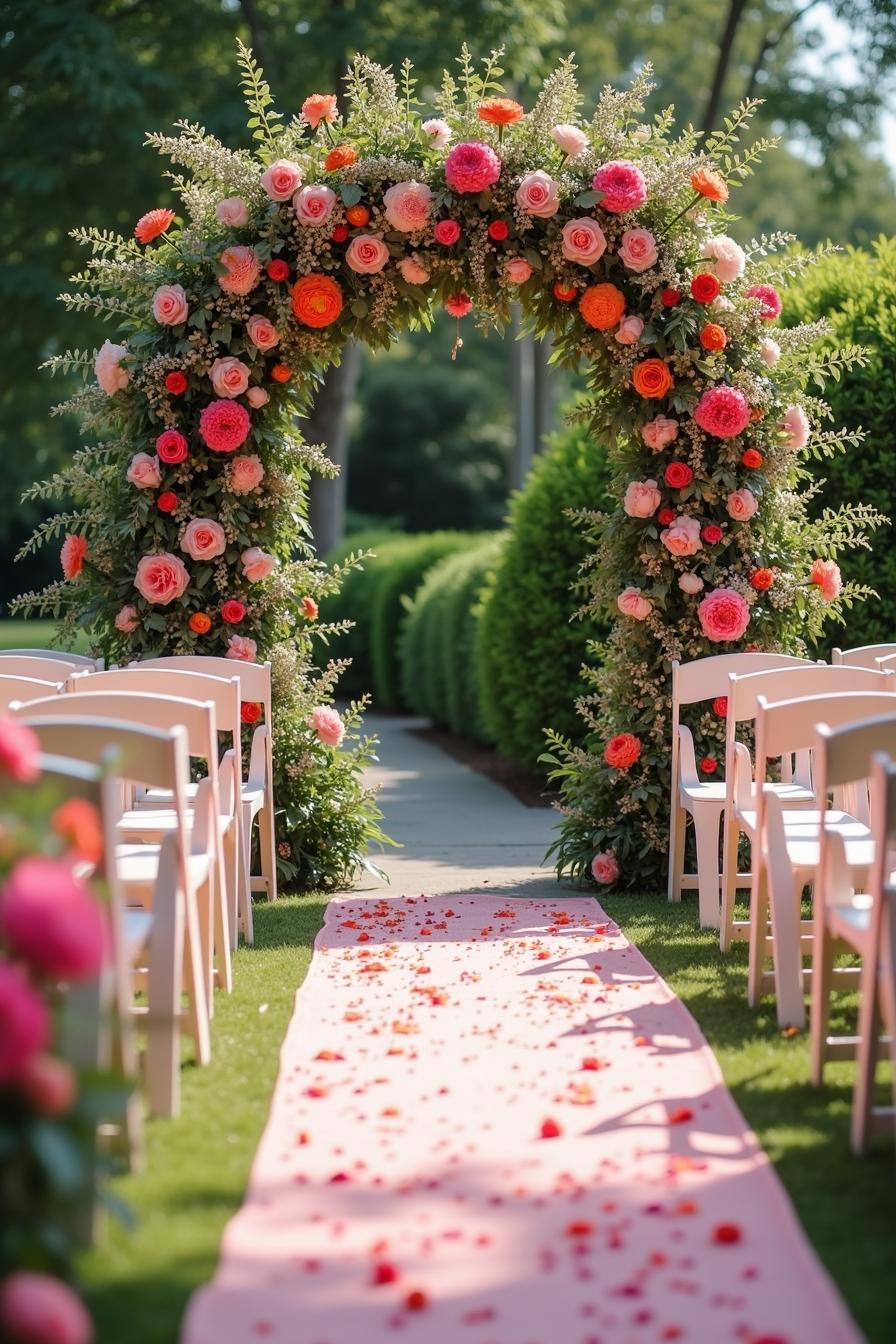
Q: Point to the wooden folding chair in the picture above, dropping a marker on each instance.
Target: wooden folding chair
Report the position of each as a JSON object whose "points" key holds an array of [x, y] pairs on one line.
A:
{"points": [[20, 689], [865, 655], [73, 660]]}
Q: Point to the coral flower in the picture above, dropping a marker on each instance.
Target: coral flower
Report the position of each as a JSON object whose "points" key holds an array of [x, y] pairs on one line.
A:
{"points": [[770, 301], [316, 300], [472, 167], [602, 306], [706, 182], [500, 111], [723, 412], [224, 425], [72, 555], [651, 378], [200, 623], [340, 156], [458, 305], [762, 579], [712, 337], [826, 574], [622, 751], [723, 615], [152, 224], [705, 287], [242, 270], [319, 107]]}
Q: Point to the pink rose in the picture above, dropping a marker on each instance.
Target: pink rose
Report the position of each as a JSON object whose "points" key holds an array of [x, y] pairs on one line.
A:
{"points": [[107, 367], [642, 499], [281, 179], [24, 1024], [233, 212], [241, 649], [437, 132], [691, 584], [144, 471], [629, 330], [314, 204], [412, 271], [161, 579], [796, 425], [446, 232], [242, 270], [538, 194], [826, 574], [472, 167], [660, 432], [246, 474], [517, 270], [169, 305], [257, 564], [622, 184], [256, 397], [327, 724], [570, 139], [723, 615], [682, 537], [126, 620], [230, 377], [728, 259], [203, 539], [40, 1309], [584, 241], [769, 352], [638, 250], [604, 868], [741, 505], [367, 254], [262, 332], [407, 206], [51, 921], [49, 1085], [632, 602], [19, 751]]}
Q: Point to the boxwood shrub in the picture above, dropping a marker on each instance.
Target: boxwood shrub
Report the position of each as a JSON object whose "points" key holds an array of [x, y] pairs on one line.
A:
{"points": [[353, 603]]}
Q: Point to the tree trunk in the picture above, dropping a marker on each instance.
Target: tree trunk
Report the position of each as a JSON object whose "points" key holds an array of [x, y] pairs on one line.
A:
{"points": [[327, 422], [723, 61], [257, 38]]}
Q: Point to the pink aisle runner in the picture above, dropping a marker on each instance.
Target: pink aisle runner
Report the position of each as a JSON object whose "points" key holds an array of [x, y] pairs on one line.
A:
{"points": [[495, 1124]]}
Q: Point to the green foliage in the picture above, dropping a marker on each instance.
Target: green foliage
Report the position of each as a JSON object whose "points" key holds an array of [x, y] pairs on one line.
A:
{"points": [[529, 652], [438, 667], [856, 292], [353, 605]]}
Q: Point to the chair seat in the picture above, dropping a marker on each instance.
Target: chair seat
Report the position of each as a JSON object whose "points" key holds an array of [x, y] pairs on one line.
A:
{"points": [[136, 926], [253, 798], [802, 835], [851, 921], [710, 792], [158, 821], [138, 865]]}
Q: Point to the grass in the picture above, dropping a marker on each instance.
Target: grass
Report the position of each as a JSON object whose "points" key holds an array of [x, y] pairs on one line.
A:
{"points": [[33, 634]]}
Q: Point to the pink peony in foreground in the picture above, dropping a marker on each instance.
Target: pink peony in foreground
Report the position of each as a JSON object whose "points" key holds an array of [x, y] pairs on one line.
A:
{"points": [[826, 575], [51, 921], [472, 166], [40, 1309], [224, 425], [623, 185], [723, 615], [723, 412], [242, 270], [328, 725], [19, 751], [24, 1023]]}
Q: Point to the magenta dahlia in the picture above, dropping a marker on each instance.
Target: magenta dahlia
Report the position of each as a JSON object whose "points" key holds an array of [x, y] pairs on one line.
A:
{"points": [[472, 166], [224, 425], [770, 300], [623, 186], [723, 412]]}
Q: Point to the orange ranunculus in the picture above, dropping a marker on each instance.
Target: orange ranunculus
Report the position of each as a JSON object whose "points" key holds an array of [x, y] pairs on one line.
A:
{"points": [[316, 300], [281, 373], [500, 111], [762, 579], [358, 215], [319, 107], [710, 184], [152, 224], [602, 306], [651, 378], [712, 337], [77, 822], [341, 156], [200, 623]]}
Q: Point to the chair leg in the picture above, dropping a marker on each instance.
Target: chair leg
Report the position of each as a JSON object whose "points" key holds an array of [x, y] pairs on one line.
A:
{"points": [[706, 830], [784, 900], [677, 828], [220, 888], [267, 844], [867, 1056], [758, 932], [196, 978], [166, 947], [233, 883], [820, 1007], [730, 842]]}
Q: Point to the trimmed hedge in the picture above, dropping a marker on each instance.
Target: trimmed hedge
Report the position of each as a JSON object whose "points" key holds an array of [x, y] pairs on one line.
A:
{"points": [[438, 668], [856, 292], [354, 603], [528, 651]]}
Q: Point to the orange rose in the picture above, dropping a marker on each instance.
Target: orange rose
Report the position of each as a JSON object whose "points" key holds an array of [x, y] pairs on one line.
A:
{"points": [[710, 184], [500, 111], [281, 373], [341, 156], [762, 579], [316, 300], [713, 337], [319, 107], [651, 378], [200, 623], [77, 822], [357, 215], [602, 306]]}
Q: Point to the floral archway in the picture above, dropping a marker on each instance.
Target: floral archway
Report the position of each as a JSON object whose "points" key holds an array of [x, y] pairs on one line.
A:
{"points": [[189, 531]]}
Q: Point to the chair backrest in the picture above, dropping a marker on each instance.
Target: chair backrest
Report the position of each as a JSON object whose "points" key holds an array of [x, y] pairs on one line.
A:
{"points": [[140, 679], [37, 669], [789, 683], [848, 749], [55, 656], [151, 711], [706, 678], [791, 725], [865, 655], [23, 688], [254, 678], [157, 758]]}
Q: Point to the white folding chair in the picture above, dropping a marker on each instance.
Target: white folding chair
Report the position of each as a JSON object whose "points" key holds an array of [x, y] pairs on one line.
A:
{"points": [[153, 910], [54, 670], [787, 842], [865, 655], [79, 660], [258, 789], [23, 688], [703, 679], [858, 921], [795, 788], [225, 695]]}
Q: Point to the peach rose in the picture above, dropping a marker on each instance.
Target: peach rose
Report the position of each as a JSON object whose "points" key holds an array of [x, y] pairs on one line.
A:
{"points": [[538, 194], [629, 330], [741, 505], [728, 259], [437, 132], [583, 241], [169, 305], [367, 254], [682, 537], [107, 367], [723, 615], [796, 425], [407, 206], [604, 868], [233, 211], [126, 620], [642, 499], [246, 473], [570, 139], [517, 270], [161, 579], [659, 432], [241, 648], [412, 271], [203, 539], [319, 107], [257, 564], [314, 204], [230, 377], [638, 250], [144, 471], [256, 396], [327, 724], [632, 602], [826, 574], [281, 179], [691, 583], [243, 270], [262, 332], [769, 352]]}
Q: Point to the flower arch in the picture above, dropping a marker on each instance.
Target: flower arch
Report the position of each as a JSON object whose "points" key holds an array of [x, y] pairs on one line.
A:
{"points": [[190, 531]]}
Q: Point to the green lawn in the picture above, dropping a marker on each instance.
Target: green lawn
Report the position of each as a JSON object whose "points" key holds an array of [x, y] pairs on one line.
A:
{"points": [[197, 1166], [33, 634]]}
